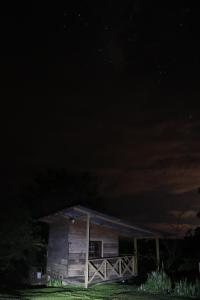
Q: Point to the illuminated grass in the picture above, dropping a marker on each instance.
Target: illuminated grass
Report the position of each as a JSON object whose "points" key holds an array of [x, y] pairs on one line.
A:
{"points": [[96, 292]]}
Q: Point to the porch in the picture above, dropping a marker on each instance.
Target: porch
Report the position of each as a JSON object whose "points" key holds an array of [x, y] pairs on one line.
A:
{"points": [[106, 269], [113, 268]]}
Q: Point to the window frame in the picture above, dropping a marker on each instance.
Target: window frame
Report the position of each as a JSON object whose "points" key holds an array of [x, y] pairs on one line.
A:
{"points": [[100, 243]]}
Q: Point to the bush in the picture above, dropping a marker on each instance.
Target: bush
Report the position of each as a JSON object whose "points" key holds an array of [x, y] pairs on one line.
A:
{"points": [[187, 289], [157, 282], [54, 282]]}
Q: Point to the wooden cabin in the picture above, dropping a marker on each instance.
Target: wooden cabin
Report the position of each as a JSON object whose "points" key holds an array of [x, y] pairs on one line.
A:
{"points": [[84, 246]]}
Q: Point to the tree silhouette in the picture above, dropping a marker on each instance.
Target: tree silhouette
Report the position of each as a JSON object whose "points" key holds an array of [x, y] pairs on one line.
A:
{"points": [[20, 242]]}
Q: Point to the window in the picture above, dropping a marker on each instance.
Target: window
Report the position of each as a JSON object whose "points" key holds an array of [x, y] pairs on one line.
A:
{"points": [[95, 249]]}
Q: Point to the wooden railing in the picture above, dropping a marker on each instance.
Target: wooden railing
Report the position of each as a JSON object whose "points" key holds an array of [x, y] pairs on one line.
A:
{"points": [[109, 268]]}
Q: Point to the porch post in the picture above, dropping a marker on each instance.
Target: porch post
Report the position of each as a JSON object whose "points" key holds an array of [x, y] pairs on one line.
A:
{"points": [[157, 253], [136, 256], [87, 250]]}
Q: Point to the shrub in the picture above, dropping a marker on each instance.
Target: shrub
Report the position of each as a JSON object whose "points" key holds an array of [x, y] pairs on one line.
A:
{"points": [[157, 282], [54, 282], [187, 289]]}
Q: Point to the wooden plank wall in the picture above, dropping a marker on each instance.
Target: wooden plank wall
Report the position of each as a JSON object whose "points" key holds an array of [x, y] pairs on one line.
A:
{"points": [[57, 260], [77, 244]]}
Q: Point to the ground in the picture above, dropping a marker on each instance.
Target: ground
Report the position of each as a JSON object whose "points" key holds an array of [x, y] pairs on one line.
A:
{"points": [[96, 292]]}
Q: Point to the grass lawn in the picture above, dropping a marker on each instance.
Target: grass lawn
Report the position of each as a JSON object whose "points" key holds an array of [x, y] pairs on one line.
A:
{"points": [[96, 292]]}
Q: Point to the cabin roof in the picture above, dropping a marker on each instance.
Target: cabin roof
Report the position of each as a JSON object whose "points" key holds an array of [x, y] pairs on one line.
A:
{"points": [[98, 218]]}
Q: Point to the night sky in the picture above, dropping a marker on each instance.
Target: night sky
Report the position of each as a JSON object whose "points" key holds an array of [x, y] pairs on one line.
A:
{"points": [[108, 87]]}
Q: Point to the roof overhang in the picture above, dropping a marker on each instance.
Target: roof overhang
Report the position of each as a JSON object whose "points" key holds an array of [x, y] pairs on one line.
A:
{"points": [[78, 211]]}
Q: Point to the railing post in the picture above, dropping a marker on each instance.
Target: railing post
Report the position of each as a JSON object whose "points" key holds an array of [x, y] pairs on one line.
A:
{"points": [[157, 253], [87, 250], [105, 269], [133, 265], [120, 267], [136, 256]]}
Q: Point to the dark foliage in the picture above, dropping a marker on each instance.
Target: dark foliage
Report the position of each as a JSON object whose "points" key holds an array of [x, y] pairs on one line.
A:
{"points": [[181, 256], [20, 244]]}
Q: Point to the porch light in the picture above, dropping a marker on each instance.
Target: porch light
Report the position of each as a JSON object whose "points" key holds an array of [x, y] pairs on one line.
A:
{"points": [[72, 220]]}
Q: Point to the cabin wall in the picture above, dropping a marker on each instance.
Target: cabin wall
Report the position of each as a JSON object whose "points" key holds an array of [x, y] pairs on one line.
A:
{"points": [[57, 260], [109, 238], [77, 244]]}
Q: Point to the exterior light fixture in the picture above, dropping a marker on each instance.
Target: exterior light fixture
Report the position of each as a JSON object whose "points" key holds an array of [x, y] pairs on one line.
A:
{"points": [[72, 220]]}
